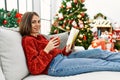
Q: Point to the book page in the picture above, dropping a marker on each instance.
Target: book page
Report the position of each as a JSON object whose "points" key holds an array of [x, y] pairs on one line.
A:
{"points": [[72, 36]]}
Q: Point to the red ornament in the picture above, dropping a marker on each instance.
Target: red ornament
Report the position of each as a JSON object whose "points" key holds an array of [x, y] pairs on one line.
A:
{"points": [[82, 14], [84, 38], [18, 21], [18, 15], [5, 22]]}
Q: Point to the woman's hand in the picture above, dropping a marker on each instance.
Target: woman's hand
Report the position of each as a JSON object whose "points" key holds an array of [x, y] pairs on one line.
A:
{"points": [[53, 43], [69, 48]]}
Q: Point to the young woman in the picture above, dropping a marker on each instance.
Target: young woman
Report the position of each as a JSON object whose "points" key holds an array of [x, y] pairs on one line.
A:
{"points": [[44, 57]]}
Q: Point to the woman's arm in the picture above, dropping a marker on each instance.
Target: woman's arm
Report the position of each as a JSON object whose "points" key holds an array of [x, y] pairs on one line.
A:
{"points": [[37, 61]]}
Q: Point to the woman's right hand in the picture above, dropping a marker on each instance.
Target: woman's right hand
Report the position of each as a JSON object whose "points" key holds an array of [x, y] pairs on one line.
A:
{"points": [[53, 43]]}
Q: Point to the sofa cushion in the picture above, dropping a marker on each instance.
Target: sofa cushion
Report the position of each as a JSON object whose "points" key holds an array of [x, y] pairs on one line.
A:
{"points": [[102, 75], [12, 55]]}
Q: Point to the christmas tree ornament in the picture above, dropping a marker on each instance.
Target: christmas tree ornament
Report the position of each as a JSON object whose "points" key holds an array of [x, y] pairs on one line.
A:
{"points": [[5, 22], [71, 11], [86, 26], [18, 15], [82, 1], [61, 6], [79, 16], [82, 14], [80, 36], [88, 29], [75, 1], [69, 5], [79, 40], [67, 27], [74, 23], [82, 19], [65, 21], [84, 38], [70, 22], [55, 31], [80, 23], [60, 16], [63, 26], [18, 21]]}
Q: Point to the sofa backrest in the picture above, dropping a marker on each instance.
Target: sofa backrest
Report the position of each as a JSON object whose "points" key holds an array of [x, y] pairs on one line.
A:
{"points": [[12, 57]]}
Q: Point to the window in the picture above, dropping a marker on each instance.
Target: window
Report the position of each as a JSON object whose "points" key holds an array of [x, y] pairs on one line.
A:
{"points": [[2, 4], [12, 5], [22, 6], [45, 12]]}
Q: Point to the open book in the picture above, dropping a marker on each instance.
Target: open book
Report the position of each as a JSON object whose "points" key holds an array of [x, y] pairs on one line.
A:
{"points": [[72, 36]]}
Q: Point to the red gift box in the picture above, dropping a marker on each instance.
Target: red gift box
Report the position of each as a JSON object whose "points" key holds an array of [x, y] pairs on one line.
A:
{"points": [[104, 45]]}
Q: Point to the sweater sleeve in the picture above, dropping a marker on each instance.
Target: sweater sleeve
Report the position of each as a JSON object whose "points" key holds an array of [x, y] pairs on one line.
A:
{"points": [[64, 51], [37, 61]]}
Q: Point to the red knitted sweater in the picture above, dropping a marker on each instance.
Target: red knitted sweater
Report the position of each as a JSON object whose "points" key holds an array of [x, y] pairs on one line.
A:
{"points": [[37, 60]]}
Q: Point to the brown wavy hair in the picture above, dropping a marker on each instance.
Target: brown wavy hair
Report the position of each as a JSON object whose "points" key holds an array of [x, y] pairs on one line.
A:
{"points": [[25, 26]]}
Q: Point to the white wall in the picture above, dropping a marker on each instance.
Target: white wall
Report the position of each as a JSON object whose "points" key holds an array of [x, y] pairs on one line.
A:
{"points": [[110, 8]]}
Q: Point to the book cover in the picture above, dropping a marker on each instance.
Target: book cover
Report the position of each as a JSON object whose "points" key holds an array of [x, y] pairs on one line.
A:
{"points": [[72, 36]]}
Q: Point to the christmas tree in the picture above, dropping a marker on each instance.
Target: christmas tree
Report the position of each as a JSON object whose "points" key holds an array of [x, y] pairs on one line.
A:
{"points": [[9, 18], [72, 14]]}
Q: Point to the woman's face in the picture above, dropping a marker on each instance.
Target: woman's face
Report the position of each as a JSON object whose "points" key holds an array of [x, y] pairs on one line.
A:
{"points": [[35, 24]]}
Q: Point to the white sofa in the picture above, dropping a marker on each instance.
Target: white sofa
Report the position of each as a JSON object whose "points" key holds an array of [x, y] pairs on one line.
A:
{"points": [[13, 64]]}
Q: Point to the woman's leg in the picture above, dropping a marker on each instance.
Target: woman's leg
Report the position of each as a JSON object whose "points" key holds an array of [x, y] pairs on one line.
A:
{"points": [[73, 66], [97, 54]]}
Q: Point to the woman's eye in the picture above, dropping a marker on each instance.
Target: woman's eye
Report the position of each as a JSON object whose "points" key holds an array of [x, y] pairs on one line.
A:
{"points": [[38, 21], [33, 21]]}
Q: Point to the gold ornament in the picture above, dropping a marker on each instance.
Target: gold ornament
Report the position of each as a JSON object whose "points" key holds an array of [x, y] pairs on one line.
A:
{"points": [[67, 27], [79, 40], [86, 26], [79, 16], [80, 36], [88, 29]]}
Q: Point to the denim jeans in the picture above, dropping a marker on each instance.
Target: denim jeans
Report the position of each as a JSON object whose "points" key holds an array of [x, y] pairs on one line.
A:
{"points": [[84, 61]]}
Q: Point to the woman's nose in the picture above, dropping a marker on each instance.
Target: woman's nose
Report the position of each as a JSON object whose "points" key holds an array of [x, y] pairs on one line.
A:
{"points": [[37, 23]]}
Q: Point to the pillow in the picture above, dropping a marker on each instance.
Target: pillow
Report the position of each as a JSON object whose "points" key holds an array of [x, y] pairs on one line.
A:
{"points": [[13, 61], [63, 38], [1, 74]]}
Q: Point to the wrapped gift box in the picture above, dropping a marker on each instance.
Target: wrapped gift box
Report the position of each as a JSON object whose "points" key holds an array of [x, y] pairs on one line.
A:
{"points": [[103, 44]]}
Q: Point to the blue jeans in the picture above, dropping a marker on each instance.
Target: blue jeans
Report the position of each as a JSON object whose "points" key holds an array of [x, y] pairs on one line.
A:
{"points": [[84, 61]]}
